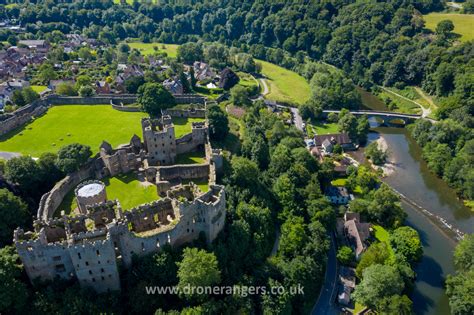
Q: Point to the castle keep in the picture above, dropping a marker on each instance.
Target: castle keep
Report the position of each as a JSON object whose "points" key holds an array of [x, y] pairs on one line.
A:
{"points": [[90, 244]]}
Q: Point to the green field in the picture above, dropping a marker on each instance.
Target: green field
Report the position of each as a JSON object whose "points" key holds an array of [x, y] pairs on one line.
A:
{"points": [[321, 128], [182, 126], [85, 124], [398, 104], [148, 48], [129, 191], [285, 85], [463, 23], [39, 88], [198, 157], [247, 80]]}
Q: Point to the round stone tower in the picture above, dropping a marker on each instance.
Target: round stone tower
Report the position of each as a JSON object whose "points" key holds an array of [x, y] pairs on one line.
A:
{"points": [[89, 193]]}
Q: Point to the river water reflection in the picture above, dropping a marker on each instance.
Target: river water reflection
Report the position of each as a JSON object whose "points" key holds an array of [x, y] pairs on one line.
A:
{"points": [[417, 183]]}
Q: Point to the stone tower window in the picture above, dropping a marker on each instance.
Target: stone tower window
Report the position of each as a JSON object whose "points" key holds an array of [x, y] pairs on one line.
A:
{"points": [[90, 272], [79, 255], [98, 253], [87, 263]]}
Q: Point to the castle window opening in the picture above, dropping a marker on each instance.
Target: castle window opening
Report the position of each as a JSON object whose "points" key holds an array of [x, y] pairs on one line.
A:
{"points": [[60, 268], [98, 253], [93, 279], [102, 278], [102, 270], [87, 263], [57, 258], [90, 272], [79, 255]]}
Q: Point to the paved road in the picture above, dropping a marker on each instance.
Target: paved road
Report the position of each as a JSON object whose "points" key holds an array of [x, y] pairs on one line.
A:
{"points": [[8, 155], [297, 118], [324, 305]]}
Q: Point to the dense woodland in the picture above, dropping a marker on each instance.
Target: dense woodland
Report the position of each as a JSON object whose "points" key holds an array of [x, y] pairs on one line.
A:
{"points": [[372, 43]]}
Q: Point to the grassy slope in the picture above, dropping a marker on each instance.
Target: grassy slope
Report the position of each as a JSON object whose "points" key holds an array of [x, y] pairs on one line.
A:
{"points": [[86, 124], [285, 85], [463, 23], [147, 48], [126, 188], [198, 157], [39, 88]]}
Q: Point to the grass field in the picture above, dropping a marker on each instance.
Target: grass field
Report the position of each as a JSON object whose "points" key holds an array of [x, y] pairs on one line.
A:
{"points": [[148, 48], [198, 157], [183, 126], [398, 104], [463, 23], [247, 80], [383, 236], [342, 182], [85, 124], [129, 191], [285, 85], [321, 128], [39, 88]]}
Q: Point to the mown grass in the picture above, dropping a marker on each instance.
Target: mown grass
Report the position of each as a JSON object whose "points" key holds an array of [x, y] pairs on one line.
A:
{"points": [[85, 124], [463, 23], [197, 157], [183, 126], [285, 85], [342, 182], [126, 188], [321, 128], [247, 80], [149, 48], [383, 236], [38, 88], [398, 104]]}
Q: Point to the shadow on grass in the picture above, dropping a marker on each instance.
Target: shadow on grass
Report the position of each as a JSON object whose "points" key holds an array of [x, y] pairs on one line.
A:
{"points": [[198, 157]]}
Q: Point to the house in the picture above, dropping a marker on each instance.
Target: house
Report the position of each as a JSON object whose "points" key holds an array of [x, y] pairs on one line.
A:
{"points": [[34, 44], [338, 195], [357, 233], [327, 142], [102, 87], [347, 280], [202, 71], [53, 84], [175, 86]]}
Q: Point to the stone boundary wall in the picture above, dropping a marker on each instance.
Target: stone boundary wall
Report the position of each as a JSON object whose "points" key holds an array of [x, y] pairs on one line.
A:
{"points": [[22, 116], [51, 200], [169, 173], [190, 113]]}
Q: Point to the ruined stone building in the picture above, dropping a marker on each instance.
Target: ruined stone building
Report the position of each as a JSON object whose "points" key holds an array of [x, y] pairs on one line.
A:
{"points": [[93, 242]]}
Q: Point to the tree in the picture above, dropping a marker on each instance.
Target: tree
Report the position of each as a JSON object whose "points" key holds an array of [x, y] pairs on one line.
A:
{"points": [[362, 129], [133, 83], [464, 253], [385, 207], [293, 237], [239, 95], [378, 282], [345, 255], [66, 89], [13, 292], [72, 157], [376, 155], [190, 52], [24, 172], [197, 269], [153, 98], [14, 214], [29, 95], [377, 253], [444, 28], [396, 305], [348, 124], [406, 242], [459, 289], [244, 172], [18, 99], [49, 171], [46, 73], [218, 123], [86, 91], [83, 80]]}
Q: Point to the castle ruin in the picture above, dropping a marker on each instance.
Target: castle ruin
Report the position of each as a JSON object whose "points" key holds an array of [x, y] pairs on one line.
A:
{"points": [[92, 243]]}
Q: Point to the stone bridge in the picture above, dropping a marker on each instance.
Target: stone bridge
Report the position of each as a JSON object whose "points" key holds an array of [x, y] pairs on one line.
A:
{"points": [[386, 117]]}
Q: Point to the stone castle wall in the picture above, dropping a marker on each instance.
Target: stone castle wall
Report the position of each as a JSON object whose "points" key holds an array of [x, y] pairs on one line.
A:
{"points": [[22, 116], [53, 199], [174, 172]]}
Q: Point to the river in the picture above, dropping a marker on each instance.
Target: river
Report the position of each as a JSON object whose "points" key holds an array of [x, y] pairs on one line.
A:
{"points": [[436, 228]]}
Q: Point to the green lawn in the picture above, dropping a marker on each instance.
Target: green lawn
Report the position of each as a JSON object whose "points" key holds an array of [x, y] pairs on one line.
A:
{"points": [[247, 80], [341, 182], [148, 48], [398, 104], [383, 236], [39, 88], [198, 157], [285, 85], [463, 23], [61, 125], [129, 191], [321, 128], [182, 126]]}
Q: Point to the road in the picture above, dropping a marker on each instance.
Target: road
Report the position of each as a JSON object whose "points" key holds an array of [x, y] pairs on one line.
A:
{"points": [[297, 118], [265, 87], [324, 305], [8, 155]]}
